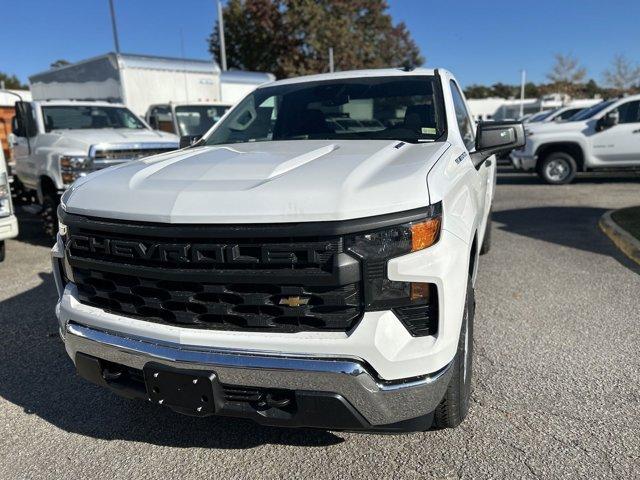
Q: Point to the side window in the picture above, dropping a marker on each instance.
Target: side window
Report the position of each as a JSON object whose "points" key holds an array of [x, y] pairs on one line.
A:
{"points": [[629, 112], [462, 116], [568, 113], [164, 120]]}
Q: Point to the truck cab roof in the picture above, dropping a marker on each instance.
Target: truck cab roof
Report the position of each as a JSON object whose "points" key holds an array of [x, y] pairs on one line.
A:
{"points": [[373, 72]]}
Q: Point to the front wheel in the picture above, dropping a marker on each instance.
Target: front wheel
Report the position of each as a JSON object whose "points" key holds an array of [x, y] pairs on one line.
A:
{"points": [[455, 405], [49, 215], [558, 168], [2, 250]]}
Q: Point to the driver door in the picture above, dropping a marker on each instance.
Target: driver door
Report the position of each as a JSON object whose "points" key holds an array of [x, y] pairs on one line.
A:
{"points": [[23, 138], [620, 144]]}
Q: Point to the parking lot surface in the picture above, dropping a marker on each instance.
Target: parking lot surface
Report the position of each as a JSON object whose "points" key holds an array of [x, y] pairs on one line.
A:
{"points": [[556, 374]]}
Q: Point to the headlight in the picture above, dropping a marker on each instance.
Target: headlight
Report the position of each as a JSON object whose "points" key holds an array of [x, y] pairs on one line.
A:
{"points": [[376, 248], [5, 196], [71, 168]]}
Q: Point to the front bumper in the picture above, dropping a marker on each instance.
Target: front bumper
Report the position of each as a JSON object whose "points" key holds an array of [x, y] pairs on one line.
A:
{"points": [[522, 160], [384, 375], [8, 227], [374, 403]]}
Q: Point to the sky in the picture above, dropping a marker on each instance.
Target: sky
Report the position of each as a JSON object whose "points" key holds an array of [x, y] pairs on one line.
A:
{"points": [[480, 42]]}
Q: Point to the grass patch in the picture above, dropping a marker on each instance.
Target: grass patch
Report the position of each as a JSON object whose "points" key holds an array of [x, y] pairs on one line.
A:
{"points": [[629, 219]]}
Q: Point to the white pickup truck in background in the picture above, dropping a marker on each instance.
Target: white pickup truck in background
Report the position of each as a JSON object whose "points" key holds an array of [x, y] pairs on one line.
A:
{"points": [[55, 142], [604, 136], [185, 119], [8, 222]]}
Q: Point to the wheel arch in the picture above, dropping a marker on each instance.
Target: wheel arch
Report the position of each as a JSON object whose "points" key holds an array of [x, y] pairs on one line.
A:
{"points": [[572, 148], [46, 185], [473, 258]]}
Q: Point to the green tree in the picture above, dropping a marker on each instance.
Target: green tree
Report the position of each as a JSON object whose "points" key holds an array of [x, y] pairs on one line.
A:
{"points": [[504, 91], [293, 37], [12, 82], [477, 91]]}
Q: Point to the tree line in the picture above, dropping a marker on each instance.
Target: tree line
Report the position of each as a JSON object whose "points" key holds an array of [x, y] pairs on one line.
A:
{"points": [[569, 77]]}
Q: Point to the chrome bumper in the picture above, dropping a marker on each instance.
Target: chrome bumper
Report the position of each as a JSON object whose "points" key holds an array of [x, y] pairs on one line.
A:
{"points": [[379, 402]]}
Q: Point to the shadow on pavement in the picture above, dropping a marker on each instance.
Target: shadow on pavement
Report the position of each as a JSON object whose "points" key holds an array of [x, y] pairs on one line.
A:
{"points": [[575, 227], [30, 229], [37, 375]]}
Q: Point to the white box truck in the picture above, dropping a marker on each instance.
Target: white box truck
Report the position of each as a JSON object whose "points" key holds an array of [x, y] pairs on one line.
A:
{"points": [[136, 81]]}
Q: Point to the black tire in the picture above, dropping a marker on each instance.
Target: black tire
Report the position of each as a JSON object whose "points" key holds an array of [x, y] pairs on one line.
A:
{"points": [[455, 404], [49, 215], [558, 168], [2, 250], [486, 242]]}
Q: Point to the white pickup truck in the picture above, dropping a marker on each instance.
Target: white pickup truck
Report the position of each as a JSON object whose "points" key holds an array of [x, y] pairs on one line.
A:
{"points": [[8, 222], [604, 136], [56, 142], [287, 271]]}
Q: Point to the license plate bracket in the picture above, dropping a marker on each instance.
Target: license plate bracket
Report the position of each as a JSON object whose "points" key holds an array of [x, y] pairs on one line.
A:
{"points": [[192, 392]]}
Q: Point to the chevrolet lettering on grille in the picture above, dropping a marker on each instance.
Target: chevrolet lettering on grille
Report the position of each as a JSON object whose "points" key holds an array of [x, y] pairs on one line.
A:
{"points": [[195, 253]]}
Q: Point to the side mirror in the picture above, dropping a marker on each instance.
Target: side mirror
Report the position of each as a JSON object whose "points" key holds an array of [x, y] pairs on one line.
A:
{"points": [[611, 119], [153, 122], [189, 140], [497, 137]]}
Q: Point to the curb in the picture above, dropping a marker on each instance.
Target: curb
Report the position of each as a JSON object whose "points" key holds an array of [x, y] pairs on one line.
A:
{"points": [[629, 245]]}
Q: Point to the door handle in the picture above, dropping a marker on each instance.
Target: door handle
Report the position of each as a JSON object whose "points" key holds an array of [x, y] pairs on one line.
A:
{"points": [[636, 131]]}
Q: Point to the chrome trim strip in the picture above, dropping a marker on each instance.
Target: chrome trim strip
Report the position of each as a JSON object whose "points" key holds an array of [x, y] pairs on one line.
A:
{"points": [[131, 146], [380, 402]]}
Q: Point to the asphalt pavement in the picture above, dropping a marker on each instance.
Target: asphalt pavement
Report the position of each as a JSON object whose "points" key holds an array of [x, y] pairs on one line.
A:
{"points": [[556, 374]]}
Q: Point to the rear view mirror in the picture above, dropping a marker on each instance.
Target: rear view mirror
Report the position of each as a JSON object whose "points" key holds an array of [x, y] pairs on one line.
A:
{"points": [[188, 140], [497, 137]]}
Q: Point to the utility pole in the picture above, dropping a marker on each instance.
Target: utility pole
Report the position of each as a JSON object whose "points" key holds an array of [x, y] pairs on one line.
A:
{"points": [[331, 59], [223, 51], [523, 80], [113, 26]]}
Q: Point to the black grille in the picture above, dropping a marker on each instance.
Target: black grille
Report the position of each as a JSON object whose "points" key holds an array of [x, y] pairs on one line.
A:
{"points": [[215, 306], [215, 277]]}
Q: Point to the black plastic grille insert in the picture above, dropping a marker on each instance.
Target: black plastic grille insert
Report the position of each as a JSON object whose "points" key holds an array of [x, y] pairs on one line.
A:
{"points": [[215, 306]]}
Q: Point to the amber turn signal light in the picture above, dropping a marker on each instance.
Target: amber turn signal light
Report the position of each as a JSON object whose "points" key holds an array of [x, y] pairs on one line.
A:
{"points": [[425, 234]]}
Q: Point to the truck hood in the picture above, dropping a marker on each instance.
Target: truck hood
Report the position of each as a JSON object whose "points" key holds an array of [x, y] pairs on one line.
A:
{"points": [[284, 181], [83, 139]]}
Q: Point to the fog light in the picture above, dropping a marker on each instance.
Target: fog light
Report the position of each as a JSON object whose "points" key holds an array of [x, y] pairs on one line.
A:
{"points": [[421, 317]]}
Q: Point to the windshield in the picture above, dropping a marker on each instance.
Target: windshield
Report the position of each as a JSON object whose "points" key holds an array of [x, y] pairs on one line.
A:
{"points": [[197, 119], [591, 111], [375, 108], [541, 116], [75, 117]]}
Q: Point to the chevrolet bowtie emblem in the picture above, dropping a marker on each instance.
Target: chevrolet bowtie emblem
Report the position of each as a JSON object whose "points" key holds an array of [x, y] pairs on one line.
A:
{"points": [[294, 301]]}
